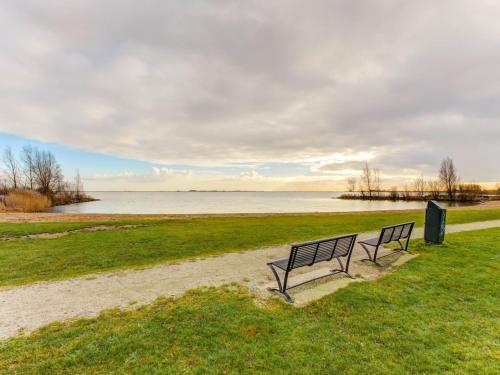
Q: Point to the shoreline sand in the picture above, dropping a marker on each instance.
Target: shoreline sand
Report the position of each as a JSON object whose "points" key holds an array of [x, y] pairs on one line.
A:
{"points": [[23, 217]]}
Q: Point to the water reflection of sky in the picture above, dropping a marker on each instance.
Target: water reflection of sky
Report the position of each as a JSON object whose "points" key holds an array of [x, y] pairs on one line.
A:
{"points": [[229, 202]]}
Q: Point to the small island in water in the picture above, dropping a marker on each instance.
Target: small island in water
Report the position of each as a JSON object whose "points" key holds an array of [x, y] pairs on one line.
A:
{"points": [[445, 187]]}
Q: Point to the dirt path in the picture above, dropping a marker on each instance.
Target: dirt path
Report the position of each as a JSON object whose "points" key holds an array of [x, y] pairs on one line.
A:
{"points": [[35, 305]]}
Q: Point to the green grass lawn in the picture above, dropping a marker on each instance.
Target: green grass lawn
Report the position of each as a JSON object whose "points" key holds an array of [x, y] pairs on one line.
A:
{"points": [[28, 260], [437, 314]]}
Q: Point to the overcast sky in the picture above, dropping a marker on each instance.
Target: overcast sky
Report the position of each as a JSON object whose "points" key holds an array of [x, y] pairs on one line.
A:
{"points": [[253, 94]]}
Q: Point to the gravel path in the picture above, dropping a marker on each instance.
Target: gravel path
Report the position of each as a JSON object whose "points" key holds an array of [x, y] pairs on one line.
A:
{"points": [[32, 306]]}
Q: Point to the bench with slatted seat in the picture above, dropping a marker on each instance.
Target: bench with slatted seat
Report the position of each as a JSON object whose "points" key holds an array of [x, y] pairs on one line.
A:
{"points": [[310, 253], [393, 233]]}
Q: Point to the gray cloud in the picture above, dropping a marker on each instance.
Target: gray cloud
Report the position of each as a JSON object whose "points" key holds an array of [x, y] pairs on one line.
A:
{"points": [[243, 81]]}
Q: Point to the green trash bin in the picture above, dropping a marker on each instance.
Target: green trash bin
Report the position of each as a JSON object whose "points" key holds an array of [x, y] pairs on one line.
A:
{"points": [[435, 223]]}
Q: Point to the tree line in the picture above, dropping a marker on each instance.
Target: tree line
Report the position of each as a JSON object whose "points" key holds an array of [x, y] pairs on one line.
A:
{"points": [[38, 171], [446, 186]]}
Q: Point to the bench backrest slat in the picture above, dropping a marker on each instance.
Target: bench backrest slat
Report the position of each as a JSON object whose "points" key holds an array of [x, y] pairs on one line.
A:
{"points": [[326, 250], [395, 232], [309, 253], [344, 245], [386, 235], [407, 230]]}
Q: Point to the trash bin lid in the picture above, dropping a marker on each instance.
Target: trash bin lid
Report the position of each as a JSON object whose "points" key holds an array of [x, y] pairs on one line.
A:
{"points": [[434, 205]]}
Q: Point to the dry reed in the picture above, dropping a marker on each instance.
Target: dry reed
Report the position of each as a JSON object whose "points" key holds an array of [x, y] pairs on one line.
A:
{"points": [[26, 201]]}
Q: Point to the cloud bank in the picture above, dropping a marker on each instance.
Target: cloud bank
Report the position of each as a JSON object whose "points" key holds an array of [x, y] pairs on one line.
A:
{"points": [[215, 83]]}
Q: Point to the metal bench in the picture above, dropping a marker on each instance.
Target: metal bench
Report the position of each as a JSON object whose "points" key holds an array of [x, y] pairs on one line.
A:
{"points": [[393, 233], [309, 253]]}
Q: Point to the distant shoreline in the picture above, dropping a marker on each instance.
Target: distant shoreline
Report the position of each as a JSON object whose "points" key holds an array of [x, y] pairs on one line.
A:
{"points": [[410, 199], [214, 191]]}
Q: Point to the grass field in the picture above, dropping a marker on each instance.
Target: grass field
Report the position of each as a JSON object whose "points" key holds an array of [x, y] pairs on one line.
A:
{"points": [[24, 261], [439, 313]]}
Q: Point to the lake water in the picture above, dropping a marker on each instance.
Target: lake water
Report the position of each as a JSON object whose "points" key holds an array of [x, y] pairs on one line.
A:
{"points": [[227, 202]]}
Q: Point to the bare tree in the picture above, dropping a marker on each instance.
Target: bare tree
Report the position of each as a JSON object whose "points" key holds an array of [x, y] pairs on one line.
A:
{"points": [[351, 184], [377, 187], [394, 194], [406, 192], [78, 186], [4, 189], [361, 187], [498, 188], [28, 166], [367, 179], [419, 186], [448, 177], [47, 172], [11, 168], [434, 188]]}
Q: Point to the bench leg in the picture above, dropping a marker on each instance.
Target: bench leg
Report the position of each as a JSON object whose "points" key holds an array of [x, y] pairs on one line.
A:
{"points": [[348, 262], [276, 276], [367, 252], [288, 297], [403, 247], [343, 269], [370, 258], [374, 258], [281, 287], [407, 244]]}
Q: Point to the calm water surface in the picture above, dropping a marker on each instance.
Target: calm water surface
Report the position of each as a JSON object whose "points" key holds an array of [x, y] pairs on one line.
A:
{"points": [[220, 202]]}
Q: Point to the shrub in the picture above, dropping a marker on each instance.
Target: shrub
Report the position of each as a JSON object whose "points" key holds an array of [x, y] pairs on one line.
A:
{"points": [[26, 201], [394, 194], [68, 197], [469, 192]]}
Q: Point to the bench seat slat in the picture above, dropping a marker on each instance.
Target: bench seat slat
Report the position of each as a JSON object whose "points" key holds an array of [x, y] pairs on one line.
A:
{"points": [[371, 241], [281, 263]]}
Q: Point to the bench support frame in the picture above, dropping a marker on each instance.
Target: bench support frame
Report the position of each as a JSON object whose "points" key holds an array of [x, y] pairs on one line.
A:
{"points": [[283, 285], [402, 247]]}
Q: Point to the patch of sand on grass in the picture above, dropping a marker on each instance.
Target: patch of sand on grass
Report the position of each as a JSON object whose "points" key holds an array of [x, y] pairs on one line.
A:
{"points": [[41, 217], [324, 283], [48, 236]]}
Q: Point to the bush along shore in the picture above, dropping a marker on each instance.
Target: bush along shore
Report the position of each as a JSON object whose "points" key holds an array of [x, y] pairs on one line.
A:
{"points": [[412, 196], [23, 200], [446, 187], [33, 182]]}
